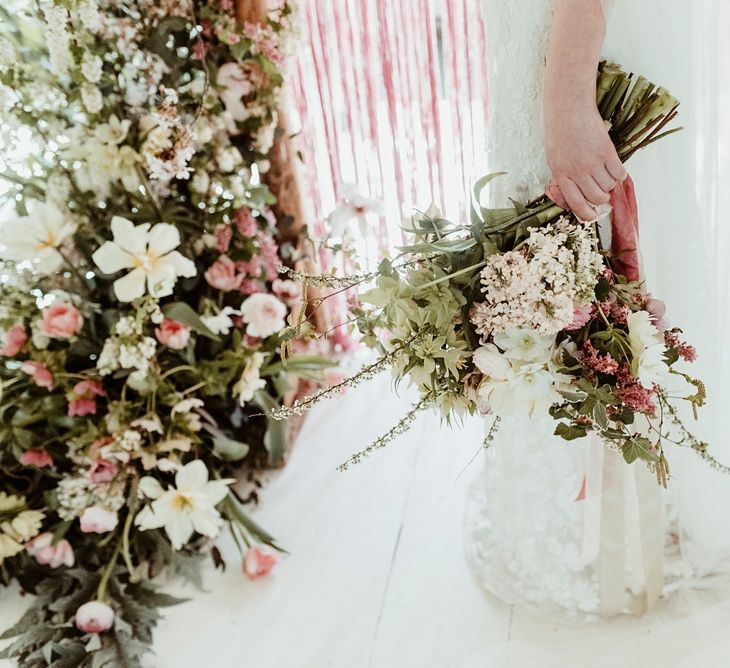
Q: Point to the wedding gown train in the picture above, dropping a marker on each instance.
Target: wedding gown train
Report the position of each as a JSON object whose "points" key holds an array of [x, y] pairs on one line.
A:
{"points": [[528, 539]]}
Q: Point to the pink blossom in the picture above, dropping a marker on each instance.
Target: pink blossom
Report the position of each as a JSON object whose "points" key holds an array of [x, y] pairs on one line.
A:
{"points": [[102, 470], [250, 267], [599, 363], [81, 407], [84, 403], [634, 395], [42, 377], [15, 339], [46, 553], [287, 290], [223, 236], [61, 320], [200, 49], [687, 352], [258, 563], [173, 334], [96, 519], [94, 617], [36, 457], [582, 315], [245, 222], [658, 311], [263, 314], [222, 274]]}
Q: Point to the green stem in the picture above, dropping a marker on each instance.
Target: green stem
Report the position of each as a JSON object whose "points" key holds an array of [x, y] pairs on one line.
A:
{"points": [[133, 575], [108, 570], [466, 270]]}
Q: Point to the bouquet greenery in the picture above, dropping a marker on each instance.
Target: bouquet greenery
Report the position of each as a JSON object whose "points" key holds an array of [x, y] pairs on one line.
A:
{"points": [[523, 310], [140, 307]]}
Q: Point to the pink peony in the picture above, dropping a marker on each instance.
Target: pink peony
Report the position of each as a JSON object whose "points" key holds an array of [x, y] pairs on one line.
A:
{"points": [[96, 519], [46, 553], [257, 563], [15, 339], [36, 457], [42, 377], [263, 314], [173, 334], [222, 274], [102, 470], [287, 290], [94, 617], [61, 320]]}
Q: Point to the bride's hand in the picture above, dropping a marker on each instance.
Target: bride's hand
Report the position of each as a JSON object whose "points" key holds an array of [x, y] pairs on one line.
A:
{"points": [[580, 154], [579, 151]]}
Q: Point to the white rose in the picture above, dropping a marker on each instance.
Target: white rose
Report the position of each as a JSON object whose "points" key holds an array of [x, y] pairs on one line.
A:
{"points": [[263, 314]]}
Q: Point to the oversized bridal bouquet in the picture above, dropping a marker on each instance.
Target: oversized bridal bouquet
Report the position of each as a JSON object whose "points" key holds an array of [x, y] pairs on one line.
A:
{"points": [[523, 310], [140, 308]]}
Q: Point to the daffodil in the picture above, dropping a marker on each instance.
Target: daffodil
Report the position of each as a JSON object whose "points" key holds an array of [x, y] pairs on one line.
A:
{"points": [[148, 250], [37, 237], [188, 507]]}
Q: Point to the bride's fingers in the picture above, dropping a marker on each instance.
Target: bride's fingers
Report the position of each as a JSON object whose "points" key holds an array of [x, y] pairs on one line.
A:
{"points": [[575, 199], [592, 191], [605, 181], [616, 169]]}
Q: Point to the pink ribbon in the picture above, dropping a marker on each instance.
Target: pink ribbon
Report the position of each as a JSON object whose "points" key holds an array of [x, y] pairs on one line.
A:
{"points": [[624, 226]]}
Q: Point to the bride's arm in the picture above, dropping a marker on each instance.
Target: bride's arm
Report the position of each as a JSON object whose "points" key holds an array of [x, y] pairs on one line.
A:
{"points": [[580, 154]]}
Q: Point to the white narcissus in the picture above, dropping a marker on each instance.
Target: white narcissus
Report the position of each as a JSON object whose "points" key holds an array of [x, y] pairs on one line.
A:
{"points": [[189, 506], [37, 237], [149, 252]]}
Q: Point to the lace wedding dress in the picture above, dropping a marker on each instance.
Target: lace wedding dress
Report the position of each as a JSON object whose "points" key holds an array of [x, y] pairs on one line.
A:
{"points": [[529, 539]]}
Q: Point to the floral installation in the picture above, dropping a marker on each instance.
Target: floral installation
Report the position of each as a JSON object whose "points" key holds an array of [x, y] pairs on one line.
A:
{"points": [[523, 310], [141, 308]]}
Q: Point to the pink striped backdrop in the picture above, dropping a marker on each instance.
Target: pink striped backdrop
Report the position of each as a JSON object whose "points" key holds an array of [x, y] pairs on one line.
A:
{"points": [[391, 95]]}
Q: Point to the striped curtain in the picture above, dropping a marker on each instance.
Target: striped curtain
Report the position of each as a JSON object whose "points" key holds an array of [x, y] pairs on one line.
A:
{"points": [[391, 96]]}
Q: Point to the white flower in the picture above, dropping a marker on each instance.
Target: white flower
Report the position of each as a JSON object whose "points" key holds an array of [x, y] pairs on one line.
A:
{"points": [[491, 362], [37, 237], [648, 349], [200, 182], [220, 323], [234, 86], [525, 389], [149, 253], [189, 506], [250, 380], [92, 98], [264, 314], [91, 66], [354, 207], [525, 345]]}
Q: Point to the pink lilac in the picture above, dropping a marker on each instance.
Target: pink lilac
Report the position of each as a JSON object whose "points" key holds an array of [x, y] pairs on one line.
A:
{"points": [[599, 363], [633, 394], [246, 223], [687, 352]]}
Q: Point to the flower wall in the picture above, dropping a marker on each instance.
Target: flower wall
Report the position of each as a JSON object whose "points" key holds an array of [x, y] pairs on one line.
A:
{"points": [[141, 309]]}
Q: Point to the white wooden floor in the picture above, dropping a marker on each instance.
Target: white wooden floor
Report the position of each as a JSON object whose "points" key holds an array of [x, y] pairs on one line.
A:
{"points": [[376, 576]]}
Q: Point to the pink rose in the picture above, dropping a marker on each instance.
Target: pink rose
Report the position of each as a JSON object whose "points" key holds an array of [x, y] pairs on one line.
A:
{"points": [[36, 457], [96, 519], [102, 470], [287, 290], [257, 563], [94, 617], [42, 377], [46, 553], [263, 314], [222, 274], [173, 334], [581, 317], [15, 339], [61, 320]]}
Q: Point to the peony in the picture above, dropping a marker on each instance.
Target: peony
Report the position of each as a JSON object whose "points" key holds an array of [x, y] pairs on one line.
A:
{"points": [[96, 519], [264, 314], [149, 252], [173, 334], [102, 470], [61, 320], [648, 349], [222, 274], [94, 617], [189, 506], [37, 237], [36, 457], [14, 341], [42, 377], [257, 563], [47, 553]]}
